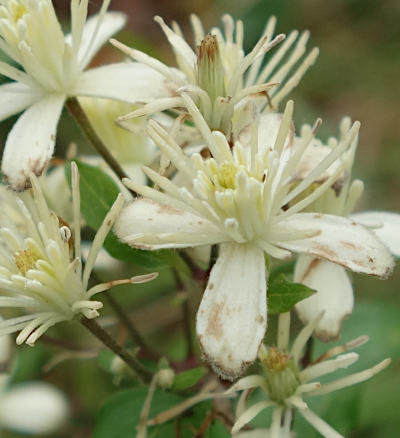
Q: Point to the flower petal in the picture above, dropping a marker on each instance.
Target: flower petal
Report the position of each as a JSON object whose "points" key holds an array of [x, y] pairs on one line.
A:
{"points": [[127, 81], [111, 23], [15, 97], [334, 295], [30, 143], [231, 319], [5, 348], [340, 241], [34, 408], [149, 225], [389, 233]]}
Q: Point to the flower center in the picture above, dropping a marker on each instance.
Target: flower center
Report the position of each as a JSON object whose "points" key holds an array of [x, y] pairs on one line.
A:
{"points": [[17, 9], [281, 375], [25, 260], [24, 29], [225, 178]]}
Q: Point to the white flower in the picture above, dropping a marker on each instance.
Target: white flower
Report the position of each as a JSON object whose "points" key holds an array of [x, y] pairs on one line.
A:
{"points": [[53, 70], [219, 78], [41, 266], [239, 199], [334, 289], [131, 149], [33, 407], [286, 385]]}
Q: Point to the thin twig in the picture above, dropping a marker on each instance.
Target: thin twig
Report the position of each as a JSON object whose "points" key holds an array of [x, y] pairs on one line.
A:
{"points": [[128, 323], [186, 312], [79, 115], [118, 349], [133, 331]]}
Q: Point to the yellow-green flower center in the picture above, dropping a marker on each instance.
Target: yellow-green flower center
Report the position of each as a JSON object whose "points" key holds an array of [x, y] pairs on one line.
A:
{"points": [[25, 260], [281, 375], [225, 178]]}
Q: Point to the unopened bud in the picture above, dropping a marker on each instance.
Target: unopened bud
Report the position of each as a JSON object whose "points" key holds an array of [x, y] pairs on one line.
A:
{"points": [[281, 375], [210, 70], [165, 378]]}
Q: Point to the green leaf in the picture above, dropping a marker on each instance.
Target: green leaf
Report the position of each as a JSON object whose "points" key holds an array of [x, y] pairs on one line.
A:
{"points": [[286, 268], [188, 378], [217, 430], [98, 192], [283, 294], [119, 416]]}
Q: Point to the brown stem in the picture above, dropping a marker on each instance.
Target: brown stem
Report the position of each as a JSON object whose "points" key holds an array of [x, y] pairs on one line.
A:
{"points": [[79, 115], [94, 328], [133, 331], [186, 312]]}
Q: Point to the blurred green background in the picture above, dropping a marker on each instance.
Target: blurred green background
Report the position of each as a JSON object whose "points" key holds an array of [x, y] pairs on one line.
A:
{"points": [[356, 74]]}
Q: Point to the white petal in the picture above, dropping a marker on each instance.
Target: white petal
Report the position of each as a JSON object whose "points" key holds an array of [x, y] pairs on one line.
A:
{"points": [[340, 241], [34, 408], [319, 424], [14, 98], [5, 348], [146, 224], [31, 141], [127, 81], [231, 319], [389, 233], [111, 23], [334, 295], [268, 129]]}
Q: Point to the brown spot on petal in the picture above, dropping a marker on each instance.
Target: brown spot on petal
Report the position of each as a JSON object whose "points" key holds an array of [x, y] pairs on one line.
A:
{"points": [[211, 286], [166, 209], [260, 319], [325, 252], [215, 326], [350, 245], [314, 263]]}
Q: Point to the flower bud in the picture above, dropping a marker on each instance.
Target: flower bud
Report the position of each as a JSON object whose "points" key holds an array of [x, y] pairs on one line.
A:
{"points": [[165, 378], [281, 374], [210, 70]]}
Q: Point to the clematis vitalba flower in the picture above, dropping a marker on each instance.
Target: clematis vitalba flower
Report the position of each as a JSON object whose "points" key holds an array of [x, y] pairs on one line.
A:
{"points": [[239, 199], [35, 408], [53, 70], [334, 294], [286, 385], [41, 269], [132, 148], [219, 78]]}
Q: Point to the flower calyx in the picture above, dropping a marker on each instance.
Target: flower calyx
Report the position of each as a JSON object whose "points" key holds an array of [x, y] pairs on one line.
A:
{"points": [[282, 377]]}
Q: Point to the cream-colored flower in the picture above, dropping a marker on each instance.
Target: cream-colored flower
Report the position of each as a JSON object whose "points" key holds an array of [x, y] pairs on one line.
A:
{"points": [[239, 199], [334, 289], [132, 148], [41, 267], [53, 70], [35, 408], [219, 78], [286, 385]]}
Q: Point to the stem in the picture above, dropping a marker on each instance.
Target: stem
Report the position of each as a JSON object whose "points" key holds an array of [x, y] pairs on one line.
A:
{"points": [[186, 315], [307, 358], [118, 349], [213, 257], [128, 323], [133, 331], [79, 115]]}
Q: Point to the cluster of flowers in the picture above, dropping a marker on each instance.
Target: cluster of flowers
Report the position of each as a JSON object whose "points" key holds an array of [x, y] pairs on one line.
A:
{"points": [[233, 172]]}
